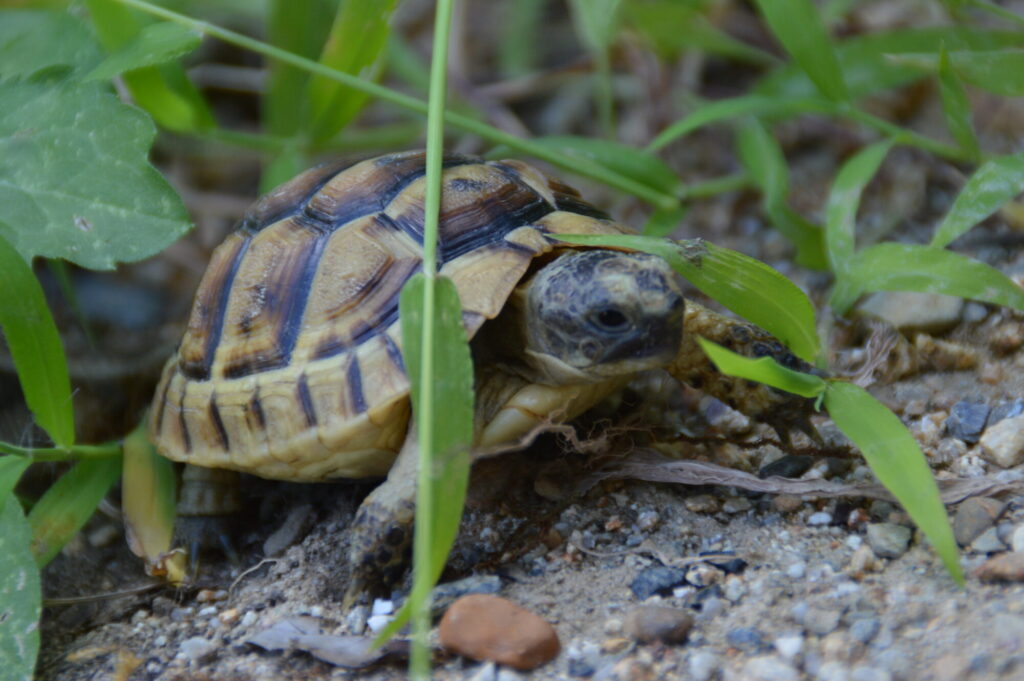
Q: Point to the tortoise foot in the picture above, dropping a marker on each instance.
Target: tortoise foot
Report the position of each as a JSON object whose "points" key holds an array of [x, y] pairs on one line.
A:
{"points": [[380, 549], [206, 534]]}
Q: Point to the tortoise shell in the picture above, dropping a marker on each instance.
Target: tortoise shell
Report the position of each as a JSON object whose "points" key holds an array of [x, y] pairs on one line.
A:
{"points": [[291, 365]]}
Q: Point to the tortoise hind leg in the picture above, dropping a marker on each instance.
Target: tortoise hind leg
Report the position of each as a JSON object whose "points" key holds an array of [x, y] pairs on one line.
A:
{"points": [[381, 537], [208, 504]]}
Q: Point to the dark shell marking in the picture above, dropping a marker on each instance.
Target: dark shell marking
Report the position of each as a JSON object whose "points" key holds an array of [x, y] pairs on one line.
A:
{"points": [[294, 330]]}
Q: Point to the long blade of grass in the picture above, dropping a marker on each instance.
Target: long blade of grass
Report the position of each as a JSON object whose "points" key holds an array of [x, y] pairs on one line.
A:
{"points": [[35, 347], [956, 106], [155, 44], [748, 287], [896, 460], [798, 26], [910, 267], [518, 51], [579, 166], [763, 370], [993, 184], [844, 200], [596, 22], [1001, 72], [355, 45], [68, 503], [20, 594]]}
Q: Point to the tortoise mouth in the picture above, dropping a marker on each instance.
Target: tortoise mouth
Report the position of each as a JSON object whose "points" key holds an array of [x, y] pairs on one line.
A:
{"points": [[654, 343]]}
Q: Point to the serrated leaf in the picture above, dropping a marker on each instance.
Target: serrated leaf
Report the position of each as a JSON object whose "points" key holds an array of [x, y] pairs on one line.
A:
{"points": [[748, 287], [956, 107], [11, 468], [763, 370], [798, 26], [32, 41], [155, 44], [355, 45], [910, 267], [734, 107], [896, 460], [75, 181], [867, 64], [844, 199], [35, 346], [63, 509], [663, 221], [1000, 72], [634, 163], [993, 184], [148, 504], [20, 594]]}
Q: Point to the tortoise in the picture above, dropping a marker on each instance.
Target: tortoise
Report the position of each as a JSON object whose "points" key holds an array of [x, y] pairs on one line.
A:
{"points": [[291, 365]]}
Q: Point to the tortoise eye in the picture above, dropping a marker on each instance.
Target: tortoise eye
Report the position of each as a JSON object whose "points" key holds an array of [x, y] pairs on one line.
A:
{"points": [[612, 319]]}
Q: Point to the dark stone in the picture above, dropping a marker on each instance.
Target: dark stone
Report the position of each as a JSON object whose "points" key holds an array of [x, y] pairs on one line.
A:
{"points": [[789, 466], [581, 667], [966, 421], [657, 580], [746, 638], [1005, 410], [731, 566]]}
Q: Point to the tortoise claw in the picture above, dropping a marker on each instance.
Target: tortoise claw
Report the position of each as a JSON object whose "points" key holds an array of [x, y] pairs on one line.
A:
{"points": [[202, 534]]}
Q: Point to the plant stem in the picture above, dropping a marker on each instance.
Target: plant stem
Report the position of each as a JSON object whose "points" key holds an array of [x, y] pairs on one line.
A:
{"points": [[62, 454]]}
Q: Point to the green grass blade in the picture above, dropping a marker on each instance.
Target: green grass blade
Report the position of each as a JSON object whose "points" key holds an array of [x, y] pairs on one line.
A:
{"points": [[35, 347], [155, 44], [20, 594], [798, 26], [1001, 72], [748, 287], [518, 52], [673, 27], [910, 267], [68, 503], [993, 184], [663, 222], [763, 370], [355, 45], [596, 22], [956, 107], [11, 468], [844, 199], [896, 460]]}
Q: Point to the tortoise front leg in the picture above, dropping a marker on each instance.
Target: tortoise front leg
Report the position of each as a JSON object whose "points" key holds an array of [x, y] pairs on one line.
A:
{"points": [[381, 536], [208, 503]]}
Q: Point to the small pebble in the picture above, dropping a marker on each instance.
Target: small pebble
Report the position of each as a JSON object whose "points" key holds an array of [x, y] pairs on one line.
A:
{"points": [[889, 540], [648, 623], [487, 627], [196, 648], [376, 623], [584, 659], [702, 665], [207, 611], [734, 588], [910, 311], [702, 574], [737, 505], [229, 616], [797, 570], [1003, 443], [865, 629], [1005, 567], [988, 542], [819, 518], [658, 579], [973, 516], [769, 668], [745, 637], [249, 618], [648, 520], [966, 420], [863, 672], [701, 503], [614, 646], [787, 503], [486, 672], [1006, 410], [382, 606], [612, 626], [821, 621], [789, 646], [1017, 538], [789, 466]]}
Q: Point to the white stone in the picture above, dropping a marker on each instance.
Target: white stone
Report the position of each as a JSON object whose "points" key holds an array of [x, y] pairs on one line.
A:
{"points": [[911, 311], [789, 646], [703, 664], [382, 607], [1003, 443], [1017, 538]]}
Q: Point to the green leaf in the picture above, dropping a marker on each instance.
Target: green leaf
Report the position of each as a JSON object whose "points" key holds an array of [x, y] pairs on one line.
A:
{"points": [[745, 105], [808, 237], [993, 184], [521, 23], [75, 181], [11, 468], [894, 457], [673, 27], [844, 199], [20, 594], [36, 41], [35, 346], [663, 222], [355, 45], [155, 44], [956, 106], [763, 370], [596, 22], [63, 509], [748, 287], [998, 71], [797, 25], [867, 63], [908, 267], [641, 166]]}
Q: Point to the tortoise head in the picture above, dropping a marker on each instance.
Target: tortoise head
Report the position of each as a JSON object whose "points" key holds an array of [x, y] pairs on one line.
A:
{"points": [[595, 314]]}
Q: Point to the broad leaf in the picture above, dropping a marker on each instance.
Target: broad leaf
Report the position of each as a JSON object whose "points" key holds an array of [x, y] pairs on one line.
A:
{"points": [[75, 182], [896, 460], [908, 267], [63, 509], [35, 346], [36, 41], [155, 44], [20, 594], [993, 184], [798, 26], [748, 287], [11, 468], [763, 370], [355, 45], [956, 107]]}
